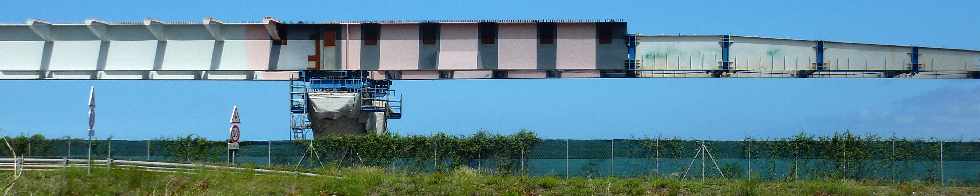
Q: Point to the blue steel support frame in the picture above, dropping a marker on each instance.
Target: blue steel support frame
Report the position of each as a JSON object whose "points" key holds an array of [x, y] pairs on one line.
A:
{"points": [[819, 49], [914, 58], [631, 56], [725, 66]]}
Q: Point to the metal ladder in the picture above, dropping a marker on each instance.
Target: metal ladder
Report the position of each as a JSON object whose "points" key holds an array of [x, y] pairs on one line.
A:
{"points": [[299, 121]]}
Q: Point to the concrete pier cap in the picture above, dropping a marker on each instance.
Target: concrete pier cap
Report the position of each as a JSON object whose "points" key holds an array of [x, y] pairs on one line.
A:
{"points": [[336, 113]]}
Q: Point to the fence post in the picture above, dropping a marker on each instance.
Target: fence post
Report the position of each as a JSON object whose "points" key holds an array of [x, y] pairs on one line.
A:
{"points": [[942, 176], [612, 157], [435, 155], [748, 152], [566, 159], [68, 156], [109, 155], [270, 152], [28, 148], [844, 173], [894, 172], [148, 150], [657, 157]]}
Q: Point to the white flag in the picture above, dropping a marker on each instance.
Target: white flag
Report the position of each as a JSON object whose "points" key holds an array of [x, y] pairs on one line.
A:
{"points": [[91, 110]]}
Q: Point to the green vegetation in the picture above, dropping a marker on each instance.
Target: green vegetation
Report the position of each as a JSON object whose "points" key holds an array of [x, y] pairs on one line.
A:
{"points": [[461, 181], [436, 152]]}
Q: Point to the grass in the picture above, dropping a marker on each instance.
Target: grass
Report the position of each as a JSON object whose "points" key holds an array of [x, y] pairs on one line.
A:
{"points": [[376, 181]]}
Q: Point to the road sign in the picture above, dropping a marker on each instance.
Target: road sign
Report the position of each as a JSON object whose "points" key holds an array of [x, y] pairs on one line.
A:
{"points": [[234, 132]]}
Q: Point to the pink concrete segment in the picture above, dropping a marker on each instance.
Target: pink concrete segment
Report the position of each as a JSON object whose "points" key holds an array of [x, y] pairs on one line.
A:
{"points": [[517, 46], [576, 46], [274, 75], [580, 74], [458, 46], [472, 74], [526, 74], [399, 47], [257, 51], [420, 75], [350, 51]]}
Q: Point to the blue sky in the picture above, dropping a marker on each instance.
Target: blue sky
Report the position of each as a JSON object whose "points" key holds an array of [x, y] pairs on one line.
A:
{"points": [[569, 108]]}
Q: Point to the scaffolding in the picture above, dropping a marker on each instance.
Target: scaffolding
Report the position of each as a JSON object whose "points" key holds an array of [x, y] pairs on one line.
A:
{"points": [[299, 121], [374, 96]]}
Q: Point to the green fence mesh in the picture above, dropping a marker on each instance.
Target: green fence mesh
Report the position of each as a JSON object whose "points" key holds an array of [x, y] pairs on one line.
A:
{"points": [[879, 159]]}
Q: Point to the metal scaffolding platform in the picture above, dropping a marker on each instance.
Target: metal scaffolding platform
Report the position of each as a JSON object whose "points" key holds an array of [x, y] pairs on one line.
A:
{"points": [[372, 96]]}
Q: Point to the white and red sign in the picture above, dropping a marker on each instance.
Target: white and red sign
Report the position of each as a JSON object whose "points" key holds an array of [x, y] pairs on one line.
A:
{"points": [[91, 112], [234, 132]]}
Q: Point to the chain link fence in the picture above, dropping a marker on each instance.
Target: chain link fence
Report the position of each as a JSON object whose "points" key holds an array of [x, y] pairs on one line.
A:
{"points": [[846, 156]]}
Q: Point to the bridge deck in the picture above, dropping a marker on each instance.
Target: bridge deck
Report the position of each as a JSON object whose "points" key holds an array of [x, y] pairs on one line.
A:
{"points": [[272, 50]]}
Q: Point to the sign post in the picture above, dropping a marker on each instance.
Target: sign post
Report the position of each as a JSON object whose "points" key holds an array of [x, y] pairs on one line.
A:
{"points": [[234, 135], [91, 125]]}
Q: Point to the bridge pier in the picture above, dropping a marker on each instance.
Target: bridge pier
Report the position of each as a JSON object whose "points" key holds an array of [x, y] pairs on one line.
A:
{"points": [[341, 102], [340, 113]]}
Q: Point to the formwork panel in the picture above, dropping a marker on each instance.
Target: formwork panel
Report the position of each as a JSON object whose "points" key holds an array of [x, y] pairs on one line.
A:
{"points": [[458, 46], [21, 55], [678, 52], [517, 46], [131, 55], [188, 55], [75, 55], [399, 47], [576, 48], [847, 56], [245, 55], [772, 55]]}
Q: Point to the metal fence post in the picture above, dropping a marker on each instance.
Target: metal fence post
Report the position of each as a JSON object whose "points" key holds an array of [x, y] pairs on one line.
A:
{"points": [[748, 152], [148, 150], [657, 158], [68, 142], [942, 176], [894, 172], [612, 157], [270, 152], [844, 173]]}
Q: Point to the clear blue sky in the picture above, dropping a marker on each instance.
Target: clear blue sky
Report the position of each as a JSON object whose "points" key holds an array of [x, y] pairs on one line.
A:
{"points": [[573, 108]]}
